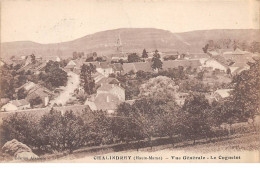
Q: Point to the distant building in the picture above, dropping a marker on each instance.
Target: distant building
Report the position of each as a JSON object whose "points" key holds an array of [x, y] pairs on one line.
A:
{"points": [[117, 68], [35, 90], [214, 64], [238, 53], [108, 80], [137, 66], [213, 53], [104, 101], [108, 96], [170, 64], [52, 58], [104, 68], [112, 89], [16, 105]]}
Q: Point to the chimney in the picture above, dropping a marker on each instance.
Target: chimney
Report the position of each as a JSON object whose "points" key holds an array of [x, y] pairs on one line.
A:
{"points": [[108, 100]]}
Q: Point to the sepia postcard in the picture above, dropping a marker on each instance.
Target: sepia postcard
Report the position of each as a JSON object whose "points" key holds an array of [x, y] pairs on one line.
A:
{"points": [[130, 81]]}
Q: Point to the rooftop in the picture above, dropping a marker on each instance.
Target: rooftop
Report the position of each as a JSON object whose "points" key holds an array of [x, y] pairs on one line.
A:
{"points": [[19, 102]]}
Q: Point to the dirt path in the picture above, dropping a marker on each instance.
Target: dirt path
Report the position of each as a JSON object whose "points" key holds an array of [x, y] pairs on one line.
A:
{"points": [[67, 91]]}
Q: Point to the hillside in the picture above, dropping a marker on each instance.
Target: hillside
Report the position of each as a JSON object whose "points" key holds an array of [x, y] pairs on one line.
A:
{"points": [[133, 40]]}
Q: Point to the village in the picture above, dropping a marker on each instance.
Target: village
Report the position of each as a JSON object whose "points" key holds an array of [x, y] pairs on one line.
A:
{"points": [[213, 70]]}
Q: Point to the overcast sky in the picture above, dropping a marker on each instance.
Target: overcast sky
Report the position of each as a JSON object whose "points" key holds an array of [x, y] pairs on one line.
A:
{"points": [[58, 21]]}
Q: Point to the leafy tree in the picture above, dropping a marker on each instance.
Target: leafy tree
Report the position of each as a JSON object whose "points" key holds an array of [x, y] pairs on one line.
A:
{"points": [[159, 87], [194, 118], [100, 128], [200, 75], [94, 54], [74, 55], [54, 76], [157, 63], [21, 94], [255, 47], [205, 49], [246, 94], [63, 131], [144, 54], [87, 81], [133, 57], [33, 59], [35, 101], [23, 127], [228, 71]]}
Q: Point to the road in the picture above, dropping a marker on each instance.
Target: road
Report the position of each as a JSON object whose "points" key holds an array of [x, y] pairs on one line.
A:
{"points": [[67, 91]]}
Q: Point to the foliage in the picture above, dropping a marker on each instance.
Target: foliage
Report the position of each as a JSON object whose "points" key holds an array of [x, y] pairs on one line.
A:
{"points": [[63, 131], [133, 57], [159, 87], [54, 76], [144, 54], [194, 118], [87, 81], [157, 63], [35, 101], [246, 94], [21, 94]]}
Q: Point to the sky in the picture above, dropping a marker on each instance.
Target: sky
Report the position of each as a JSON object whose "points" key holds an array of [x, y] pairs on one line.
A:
{"points": [[52, 21]]}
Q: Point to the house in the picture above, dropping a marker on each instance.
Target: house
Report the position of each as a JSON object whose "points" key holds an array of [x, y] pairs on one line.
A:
{"points": [[112, 89], [104, 68], [33, 67], [117, 68], [52, 58], [108, 80], [237, 70], [222, 94], [104, 101], [170, 64], [213, 63], [238, 53], [16, 105], [35, 90], [75, 65], [213, 53], [137, 66]]}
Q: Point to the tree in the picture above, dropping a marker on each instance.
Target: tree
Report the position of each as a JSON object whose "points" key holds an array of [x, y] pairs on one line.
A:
{"points": [[159, 87], [74, 55], [23, 127], [54, 76], [35, 101], [133, 57], [21, 94], [144, 54], [255, 47], [122, 125], [100, 128], [169, 124], [205, 49], [246, 94], [194, 117], [64, 131], [157, 63], [228, 71], [200, 75], [33, 59], [87, 81]]}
